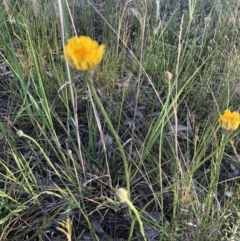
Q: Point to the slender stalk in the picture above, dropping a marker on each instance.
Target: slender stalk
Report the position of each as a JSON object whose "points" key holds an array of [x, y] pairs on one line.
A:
{"points": [[124, 198], [132, 207], [113, 131]]}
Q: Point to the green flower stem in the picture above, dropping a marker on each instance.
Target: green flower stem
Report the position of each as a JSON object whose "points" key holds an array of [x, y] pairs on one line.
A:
{"points": [[113, 131], [132, 207], [21, 134], [124, 198]]}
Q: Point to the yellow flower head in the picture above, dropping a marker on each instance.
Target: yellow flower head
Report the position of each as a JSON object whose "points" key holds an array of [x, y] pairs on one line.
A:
{"points": [[168, 75], [229, 121], [122, 194], [83, 53]]}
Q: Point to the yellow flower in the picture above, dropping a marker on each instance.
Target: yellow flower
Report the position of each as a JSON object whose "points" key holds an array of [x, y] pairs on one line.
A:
{"points": [[168, 75], [83, 53], [229, 121], [122, 195]]}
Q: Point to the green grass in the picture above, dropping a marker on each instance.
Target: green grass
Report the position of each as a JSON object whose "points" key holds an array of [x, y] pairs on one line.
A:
{"points": [[63, 155]]}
